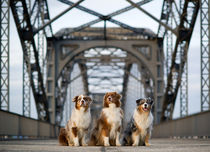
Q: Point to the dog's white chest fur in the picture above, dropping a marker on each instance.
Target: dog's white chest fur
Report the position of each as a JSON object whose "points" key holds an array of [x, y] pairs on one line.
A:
{"points": [[144, 121], [114, 117], [81, 118]]}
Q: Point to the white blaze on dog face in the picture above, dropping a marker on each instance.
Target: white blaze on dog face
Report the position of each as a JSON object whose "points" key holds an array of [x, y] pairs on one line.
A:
{"points": [[82, 101], [109, 98], [145, 104]]}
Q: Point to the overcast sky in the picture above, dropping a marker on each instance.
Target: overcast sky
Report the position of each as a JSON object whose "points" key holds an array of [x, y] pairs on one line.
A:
{"points": [[76, 17]]}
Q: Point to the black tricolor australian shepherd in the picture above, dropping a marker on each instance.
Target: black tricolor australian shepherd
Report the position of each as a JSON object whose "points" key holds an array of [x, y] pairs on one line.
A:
{"points": [[139, 129]]}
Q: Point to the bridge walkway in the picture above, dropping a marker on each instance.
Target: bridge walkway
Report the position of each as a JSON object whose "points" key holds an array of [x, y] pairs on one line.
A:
{"points": [[157, 145]]}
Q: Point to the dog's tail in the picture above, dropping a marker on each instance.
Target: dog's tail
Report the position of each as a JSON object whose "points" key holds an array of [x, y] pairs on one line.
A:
{"points": [[63, 137]]}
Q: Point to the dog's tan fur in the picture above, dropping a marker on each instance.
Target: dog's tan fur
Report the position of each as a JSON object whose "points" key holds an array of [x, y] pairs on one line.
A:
{"points": [[74, 134], [107, 130]]}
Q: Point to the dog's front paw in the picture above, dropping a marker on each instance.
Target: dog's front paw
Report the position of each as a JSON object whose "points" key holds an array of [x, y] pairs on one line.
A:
{"points": [[84, 144], [118, 144], [106, 141], [134, 144], [106, 144], [147, 144], [76, 144]]}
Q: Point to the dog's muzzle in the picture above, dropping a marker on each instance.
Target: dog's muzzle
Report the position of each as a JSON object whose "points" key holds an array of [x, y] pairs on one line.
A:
{"points": [[82, 102]]}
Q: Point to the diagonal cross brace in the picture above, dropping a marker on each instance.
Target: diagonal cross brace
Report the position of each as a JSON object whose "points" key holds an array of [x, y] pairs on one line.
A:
{"points": [[153, 17], [58, 16], [107, 17]]}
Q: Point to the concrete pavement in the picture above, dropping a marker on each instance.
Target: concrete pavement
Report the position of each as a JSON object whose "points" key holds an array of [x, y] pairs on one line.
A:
{"points": [[157, 145]]}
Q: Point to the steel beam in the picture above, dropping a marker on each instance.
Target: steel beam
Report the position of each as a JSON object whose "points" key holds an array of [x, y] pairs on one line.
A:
{"points": [[58, 16], [39, 14], [108, 18], [26, 86], [153, 17], [185, 29], [4, 56], [125, 83], [205, 54], [26, 78], [118, 12], [25, 32], [184, 80]]}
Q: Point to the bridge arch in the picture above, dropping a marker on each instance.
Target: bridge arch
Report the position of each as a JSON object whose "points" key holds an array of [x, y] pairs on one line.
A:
{"points": [[128, 46], [144, 53]]}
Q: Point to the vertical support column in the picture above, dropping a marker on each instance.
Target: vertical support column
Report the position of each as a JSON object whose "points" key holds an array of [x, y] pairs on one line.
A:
{"points": [[184, 85], [40, 35], [50, 90], [26, 85], [205, 56], [184, 76], [159, 87], [209, 48], [169, 45], [26, 78], [4, 57]]}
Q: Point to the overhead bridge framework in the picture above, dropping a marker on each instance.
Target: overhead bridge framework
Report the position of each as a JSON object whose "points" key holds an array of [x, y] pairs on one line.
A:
{"points": [[104, 58], [105, 64]]}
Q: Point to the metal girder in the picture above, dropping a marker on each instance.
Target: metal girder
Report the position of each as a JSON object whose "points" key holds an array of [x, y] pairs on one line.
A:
{"points": [[83, 67], [170, 14], [125, 82], [164, 18], [205, 50], [25, 32], [185, 29], [26, 85], [184, 80], [4, 57], [81, 27], [48, 32], [61, 89], [97, 33], [39, 14], [153, 17], [107, 18], [26, 78], [58, 16]]}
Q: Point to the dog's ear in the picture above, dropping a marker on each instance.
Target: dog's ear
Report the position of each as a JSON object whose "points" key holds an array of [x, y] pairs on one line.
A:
{"points": [[75, 99], [118, 96], [138, 101], [105, 96], [151, 102], [89, 99], [104, 102]]}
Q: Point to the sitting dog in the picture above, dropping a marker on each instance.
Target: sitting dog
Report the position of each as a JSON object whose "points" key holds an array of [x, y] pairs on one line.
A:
{"points": [[139, 129], [74, 134], [108, 127]]}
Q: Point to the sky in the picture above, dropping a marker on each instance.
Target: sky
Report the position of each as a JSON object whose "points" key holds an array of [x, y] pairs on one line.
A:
{"points": [[76, 17]]}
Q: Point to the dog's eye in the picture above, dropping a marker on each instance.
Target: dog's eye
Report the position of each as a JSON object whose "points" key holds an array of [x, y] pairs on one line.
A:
{"points": [[141, 102], [149, 101]]}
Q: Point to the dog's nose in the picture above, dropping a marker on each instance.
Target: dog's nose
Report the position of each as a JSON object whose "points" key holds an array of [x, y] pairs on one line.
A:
{"points": [[83, 101], [109, 98]]}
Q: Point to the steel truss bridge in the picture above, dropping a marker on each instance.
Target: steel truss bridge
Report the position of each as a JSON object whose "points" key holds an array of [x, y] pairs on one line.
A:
{"points": [[135, 62]]}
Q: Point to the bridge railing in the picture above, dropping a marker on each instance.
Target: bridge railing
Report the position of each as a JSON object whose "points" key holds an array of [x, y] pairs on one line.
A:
{"points": [[16, 126], [194, 125]]}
